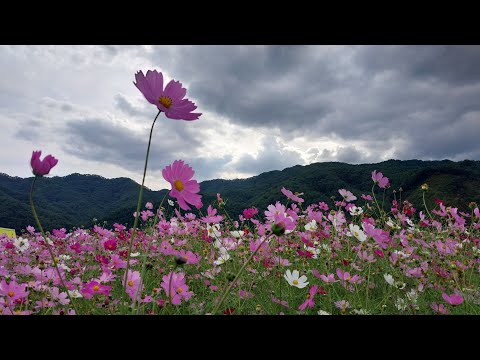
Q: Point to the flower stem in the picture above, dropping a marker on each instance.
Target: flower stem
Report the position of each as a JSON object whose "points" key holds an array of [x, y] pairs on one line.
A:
{"points": [[140, 197], [227, 290], [48, 245], [424, 204]]}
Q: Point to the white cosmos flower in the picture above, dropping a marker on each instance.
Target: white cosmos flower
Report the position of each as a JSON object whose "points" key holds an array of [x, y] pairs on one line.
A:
{"points": [[170, 202], [314, 251], [294, 280], [321, 312], [401, 304], [64, 257], [311, 226], [355, 211], [393, 225], [389, 279], [75, 294], [224, 256], [237, 234], [21, 244], [213, 230], [360, 312], [359, 234], [134, 254]]}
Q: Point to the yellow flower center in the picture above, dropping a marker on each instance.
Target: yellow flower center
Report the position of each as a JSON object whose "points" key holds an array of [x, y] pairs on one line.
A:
{"points": [[11, 293], [308, 296], [96, 288], [130, 283], [165, 101], [356, 234], [178, 185], [179, 290], [295, 282]]}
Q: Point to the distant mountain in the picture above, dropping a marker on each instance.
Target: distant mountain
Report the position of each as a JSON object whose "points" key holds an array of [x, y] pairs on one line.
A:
{"points": [[74, 200]]}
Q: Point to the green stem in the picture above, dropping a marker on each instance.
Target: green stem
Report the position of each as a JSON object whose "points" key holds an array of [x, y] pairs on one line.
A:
{"points": [[424, 204], [139, 205], [227, 290], [48, 245]]}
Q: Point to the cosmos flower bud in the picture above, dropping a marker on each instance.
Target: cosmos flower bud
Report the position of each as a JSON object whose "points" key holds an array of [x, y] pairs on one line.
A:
{"points": [[278, 229], [424, 187]]}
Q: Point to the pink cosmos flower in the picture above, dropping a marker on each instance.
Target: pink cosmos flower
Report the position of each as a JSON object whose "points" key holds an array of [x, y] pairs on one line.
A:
{"points": [[134, 285], [454, 299], [13, 291], [441, 309], [188, 257], [280, 302], [346, 277], [347, 195], [330, 278], [42, 167], [169, 100], [310, 299], [93, 288], [291, 195], [119, 227], [367, 197], [212, 216], [184, 189], [379, 179], [149, 206], [146, 214], [342, 305], [274, 209], [110, 244], [250, 212], [117, 262], [245, 294], [175, 282]]}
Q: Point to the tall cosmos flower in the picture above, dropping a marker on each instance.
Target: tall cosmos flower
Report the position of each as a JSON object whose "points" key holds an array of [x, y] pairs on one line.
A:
{"points": [[42, 167], [169, 100], [184, 189]]}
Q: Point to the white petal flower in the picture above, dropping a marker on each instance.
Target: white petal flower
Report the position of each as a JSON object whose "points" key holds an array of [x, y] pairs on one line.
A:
{"points": [[389, 279], [237, 234], [321, 312], [75, 294], [311, 226], [359, 234], [170, 202], [355, 211], [224, 256], [294, 280], [21, 244], [213, 230]]}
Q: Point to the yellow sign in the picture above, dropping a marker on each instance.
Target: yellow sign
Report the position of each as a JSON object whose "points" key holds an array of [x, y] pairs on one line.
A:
{"points": [[9, 232]]}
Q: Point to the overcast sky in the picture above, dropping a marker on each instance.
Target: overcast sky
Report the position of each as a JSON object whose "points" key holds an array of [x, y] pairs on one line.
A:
{"points": [[264, 107]]}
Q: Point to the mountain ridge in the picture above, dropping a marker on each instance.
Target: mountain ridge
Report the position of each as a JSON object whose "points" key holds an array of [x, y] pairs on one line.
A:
{"points": [[75, 199]]}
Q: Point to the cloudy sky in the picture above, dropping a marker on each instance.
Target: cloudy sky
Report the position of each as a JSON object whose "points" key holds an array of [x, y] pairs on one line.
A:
{"points": [[264, 107]]}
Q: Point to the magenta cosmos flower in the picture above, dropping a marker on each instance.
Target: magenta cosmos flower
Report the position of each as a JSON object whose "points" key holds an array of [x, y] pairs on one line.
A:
{"points": [[42, 167], [184, 189], [291, 195], [169, 100], [379, 179]]}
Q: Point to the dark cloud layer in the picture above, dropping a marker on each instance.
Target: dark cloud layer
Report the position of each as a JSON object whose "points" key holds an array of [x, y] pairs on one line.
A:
{"points": [[421, 94], [327, 103]]}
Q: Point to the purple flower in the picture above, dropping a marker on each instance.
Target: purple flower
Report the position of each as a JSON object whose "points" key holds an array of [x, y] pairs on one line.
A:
{"points": [[379, 179], [454, 299], [291, 195], [42, 167], [169, 100]]}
